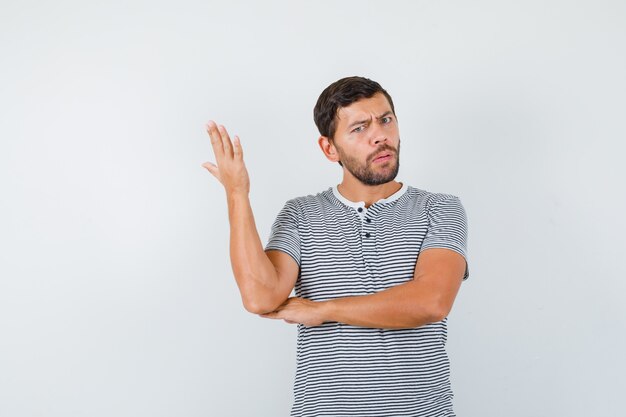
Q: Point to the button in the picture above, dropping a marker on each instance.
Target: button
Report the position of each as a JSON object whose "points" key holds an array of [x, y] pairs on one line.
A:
{"points": [[367, 234], [368, 220], [360, 209]]}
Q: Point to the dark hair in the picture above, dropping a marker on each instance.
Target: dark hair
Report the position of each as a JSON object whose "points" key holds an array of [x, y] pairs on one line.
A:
{"points": [[340, 94]]}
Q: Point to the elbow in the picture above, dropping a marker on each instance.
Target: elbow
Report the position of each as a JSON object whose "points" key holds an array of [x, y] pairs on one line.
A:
{"points": [[256, 299], [435, 312], [440, 311], [258, 294], [256, 306], [250, 306], [438, 315]]}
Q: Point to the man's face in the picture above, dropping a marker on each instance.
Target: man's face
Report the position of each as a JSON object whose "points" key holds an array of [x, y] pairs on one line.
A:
{"points": [[366, 130]]}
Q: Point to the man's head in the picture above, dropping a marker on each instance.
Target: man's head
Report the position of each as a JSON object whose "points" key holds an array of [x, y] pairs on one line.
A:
{"points": [[357, 122]]}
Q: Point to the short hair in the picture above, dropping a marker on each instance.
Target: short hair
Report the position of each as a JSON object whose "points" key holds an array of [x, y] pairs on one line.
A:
{"points": [[340, 94]]}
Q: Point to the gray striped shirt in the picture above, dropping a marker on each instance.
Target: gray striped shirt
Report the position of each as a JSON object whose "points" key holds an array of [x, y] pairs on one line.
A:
{"points": [[345, 249]]}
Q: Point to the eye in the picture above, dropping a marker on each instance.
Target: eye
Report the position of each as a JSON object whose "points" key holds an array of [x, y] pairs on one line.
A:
{"points": [[358, 129], [388, 118]]}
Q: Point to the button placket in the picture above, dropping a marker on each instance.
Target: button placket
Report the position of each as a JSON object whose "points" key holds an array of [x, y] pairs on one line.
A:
{"points": [[368, 227], [366, 224], [369, 246]]}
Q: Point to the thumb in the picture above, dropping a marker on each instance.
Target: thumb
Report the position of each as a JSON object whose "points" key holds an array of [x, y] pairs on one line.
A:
{"points": [[212, 168]]}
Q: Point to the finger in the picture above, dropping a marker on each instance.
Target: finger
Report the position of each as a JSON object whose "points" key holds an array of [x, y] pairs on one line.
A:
{"points": [[228, 146], [212, 168], [237, 151], [273, 314], [216, 140]]}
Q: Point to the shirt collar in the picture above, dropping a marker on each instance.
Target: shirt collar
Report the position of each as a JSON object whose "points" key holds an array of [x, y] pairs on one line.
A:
{"points": [[357, 204]]}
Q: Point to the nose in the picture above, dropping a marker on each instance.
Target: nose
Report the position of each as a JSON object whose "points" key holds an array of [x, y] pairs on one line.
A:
{"points": [[378, 135]]}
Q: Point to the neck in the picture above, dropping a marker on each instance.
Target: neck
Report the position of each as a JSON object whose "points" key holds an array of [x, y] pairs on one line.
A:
{"points": [[354, 190]]}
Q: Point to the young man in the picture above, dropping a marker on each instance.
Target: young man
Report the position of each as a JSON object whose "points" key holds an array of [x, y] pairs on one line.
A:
{"points": [[376, 265]]}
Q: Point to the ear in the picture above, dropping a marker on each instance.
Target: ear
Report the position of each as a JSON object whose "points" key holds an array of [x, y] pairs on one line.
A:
{"points": [[328, 148]]}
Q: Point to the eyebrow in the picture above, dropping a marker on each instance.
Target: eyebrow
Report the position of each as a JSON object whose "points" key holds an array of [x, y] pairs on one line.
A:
{"points": [[387, 113]]}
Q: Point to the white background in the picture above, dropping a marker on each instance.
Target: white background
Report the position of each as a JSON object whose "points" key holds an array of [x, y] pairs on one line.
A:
{"points": [[116, 292]]}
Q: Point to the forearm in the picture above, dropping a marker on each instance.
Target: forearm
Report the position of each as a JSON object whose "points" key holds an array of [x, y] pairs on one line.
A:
{"points": [[255, 275], [402, 306]]}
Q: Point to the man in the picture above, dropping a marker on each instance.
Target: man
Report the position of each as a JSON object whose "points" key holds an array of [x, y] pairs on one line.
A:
{"points": [[376, 265]]}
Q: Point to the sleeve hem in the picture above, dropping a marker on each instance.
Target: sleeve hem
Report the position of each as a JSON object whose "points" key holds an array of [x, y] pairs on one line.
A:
{"points": [[454, 248], [288, 252]]}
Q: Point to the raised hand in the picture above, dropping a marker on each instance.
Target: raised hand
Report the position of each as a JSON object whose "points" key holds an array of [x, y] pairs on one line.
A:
{"points": [[230, 169]]}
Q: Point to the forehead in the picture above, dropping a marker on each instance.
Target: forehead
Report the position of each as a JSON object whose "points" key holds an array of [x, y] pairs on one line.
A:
{"points": [[364, 108]]}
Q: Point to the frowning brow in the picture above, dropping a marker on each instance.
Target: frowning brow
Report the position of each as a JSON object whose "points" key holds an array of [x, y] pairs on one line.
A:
{"points": [[387, 113]]}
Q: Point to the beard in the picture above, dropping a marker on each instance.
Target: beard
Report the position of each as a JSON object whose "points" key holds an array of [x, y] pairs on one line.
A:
{"points": [[369, 175]]}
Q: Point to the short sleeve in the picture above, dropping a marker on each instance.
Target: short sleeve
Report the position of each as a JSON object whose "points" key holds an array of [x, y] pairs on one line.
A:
{"points": [[447, 226], [284, 234]]}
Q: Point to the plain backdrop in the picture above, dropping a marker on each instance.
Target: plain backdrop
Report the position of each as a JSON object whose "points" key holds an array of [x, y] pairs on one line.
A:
{"points": [[116, 291]]}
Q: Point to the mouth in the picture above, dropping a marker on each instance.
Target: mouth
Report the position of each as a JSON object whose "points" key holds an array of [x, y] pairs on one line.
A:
{"points": [[382, 157]]}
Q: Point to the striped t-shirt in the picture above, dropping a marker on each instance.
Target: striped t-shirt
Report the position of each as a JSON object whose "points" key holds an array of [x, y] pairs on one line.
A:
{"points": [[345, 249]]}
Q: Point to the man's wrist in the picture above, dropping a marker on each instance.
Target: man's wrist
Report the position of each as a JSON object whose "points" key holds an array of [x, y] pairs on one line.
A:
{"points": [[237, 200], [236, 194], [327, 309]]}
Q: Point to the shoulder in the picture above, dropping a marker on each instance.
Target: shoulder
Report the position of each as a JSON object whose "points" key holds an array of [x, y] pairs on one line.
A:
{"points": [[306, 202], [310, 203], [431, 199]]}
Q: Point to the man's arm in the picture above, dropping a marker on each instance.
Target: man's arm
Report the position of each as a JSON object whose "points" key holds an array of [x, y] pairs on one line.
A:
{"points": [[427, 298], [257, 278], [265, 279]]}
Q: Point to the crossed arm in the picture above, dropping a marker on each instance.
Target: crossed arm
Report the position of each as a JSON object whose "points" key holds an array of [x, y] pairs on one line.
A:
{"points": [[427, 298]]}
